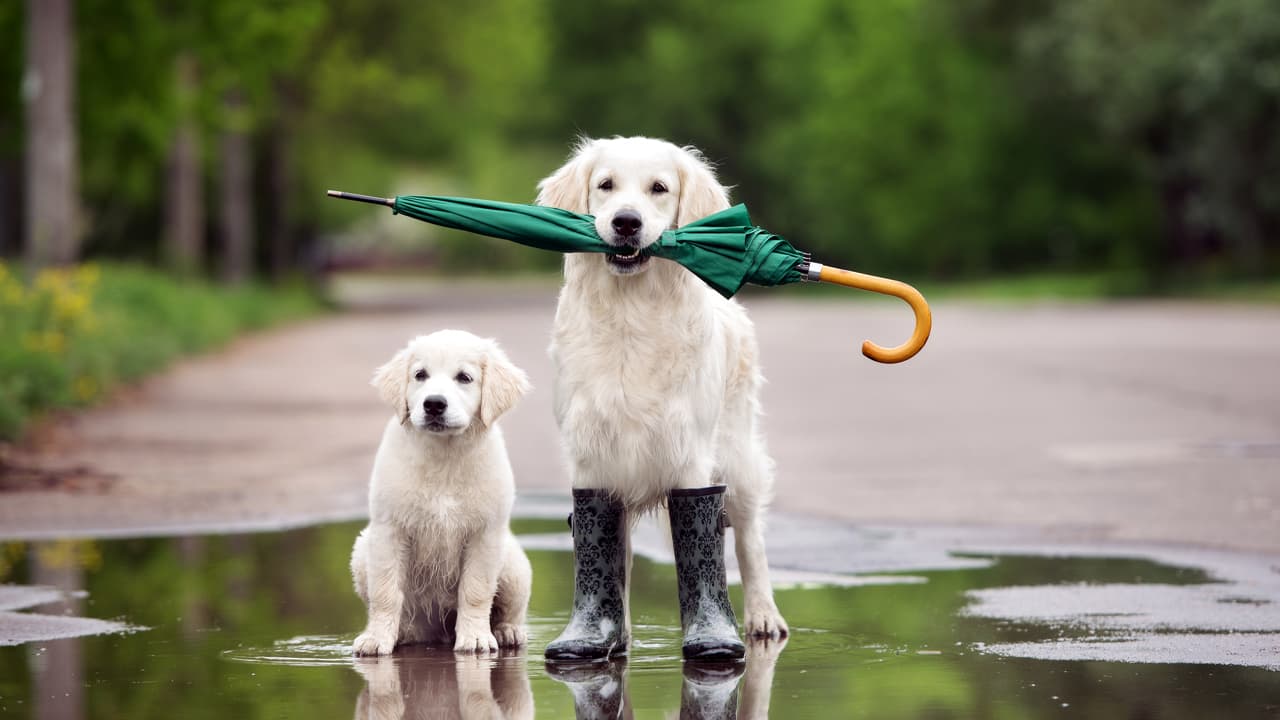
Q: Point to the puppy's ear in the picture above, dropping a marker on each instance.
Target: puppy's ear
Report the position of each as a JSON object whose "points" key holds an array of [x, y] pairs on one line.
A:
{"points": [[566, 188], [391, 380], [700, 193], [502, 384]]}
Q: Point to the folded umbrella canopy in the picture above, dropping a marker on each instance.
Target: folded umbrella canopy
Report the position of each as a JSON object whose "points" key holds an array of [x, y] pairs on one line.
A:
{"points": [[723, 249]]}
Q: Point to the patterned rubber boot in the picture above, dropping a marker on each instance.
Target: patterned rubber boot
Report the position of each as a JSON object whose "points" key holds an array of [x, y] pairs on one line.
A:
{"points": [[710, 691], [697, 537], [597, 628], [599, 689]]}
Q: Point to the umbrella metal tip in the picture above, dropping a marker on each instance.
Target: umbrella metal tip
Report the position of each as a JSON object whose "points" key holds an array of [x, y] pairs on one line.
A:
{"points": [[334, 193]]}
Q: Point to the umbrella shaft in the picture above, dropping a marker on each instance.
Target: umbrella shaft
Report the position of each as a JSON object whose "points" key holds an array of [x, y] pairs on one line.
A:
{"points": [[362, 198]]}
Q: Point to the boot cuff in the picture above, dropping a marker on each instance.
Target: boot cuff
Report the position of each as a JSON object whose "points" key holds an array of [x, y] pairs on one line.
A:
{"points": [[698, 492]]}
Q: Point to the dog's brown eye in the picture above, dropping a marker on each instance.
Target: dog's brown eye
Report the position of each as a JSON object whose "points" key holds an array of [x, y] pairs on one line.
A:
{"points": [[420, 375], [606, 184], [462, 378], [658, 188]]}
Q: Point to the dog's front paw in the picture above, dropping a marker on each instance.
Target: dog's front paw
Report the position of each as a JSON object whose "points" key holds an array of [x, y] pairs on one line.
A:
{"points": [[479, 641], [510, 635], [765, 622], [368, 643]]}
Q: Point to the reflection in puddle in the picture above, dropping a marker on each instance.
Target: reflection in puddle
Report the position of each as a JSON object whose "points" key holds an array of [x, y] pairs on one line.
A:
{"points": [[498, 686], [450, 686], [302, 651], [261, 625], [50, 609]]}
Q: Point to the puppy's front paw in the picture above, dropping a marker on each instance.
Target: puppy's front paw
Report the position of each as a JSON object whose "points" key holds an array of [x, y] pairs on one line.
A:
{"points": [[479, 641], [764, 621], [368, 643], [510, 635]]}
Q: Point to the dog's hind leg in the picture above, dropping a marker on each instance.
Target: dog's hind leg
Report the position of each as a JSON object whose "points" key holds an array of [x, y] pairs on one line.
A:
{"points": [[510, 605]]}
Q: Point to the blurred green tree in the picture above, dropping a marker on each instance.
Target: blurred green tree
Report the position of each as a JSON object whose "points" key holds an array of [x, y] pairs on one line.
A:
{"points": [[921, 136], [1191, 89], [881, 134]]}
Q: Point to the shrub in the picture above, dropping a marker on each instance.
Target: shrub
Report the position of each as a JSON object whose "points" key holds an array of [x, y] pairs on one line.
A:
{"points": [[69, 335]]}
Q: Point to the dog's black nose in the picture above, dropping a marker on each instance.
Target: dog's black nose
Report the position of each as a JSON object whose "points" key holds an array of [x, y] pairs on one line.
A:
{"points": [[435, 404], [626, 223]]}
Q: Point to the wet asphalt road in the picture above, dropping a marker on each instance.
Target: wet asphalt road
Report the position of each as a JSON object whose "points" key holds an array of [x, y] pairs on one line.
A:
{"points": [[1150, 422]]}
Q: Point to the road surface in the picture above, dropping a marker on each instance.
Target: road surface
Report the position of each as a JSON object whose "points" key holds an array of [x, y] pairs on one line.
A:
{"points": [[1143, 421]]}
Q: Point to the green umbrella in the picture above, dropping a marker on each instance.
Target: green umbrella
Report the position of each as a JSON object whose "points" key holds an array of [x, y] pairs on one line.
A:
{"points": [[723, 249]]}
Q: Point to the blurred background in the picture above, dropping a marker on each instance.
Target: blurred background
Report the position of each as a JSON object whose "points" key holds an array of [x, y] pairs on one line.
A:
{"points": [[1111, 148], [935, 137]]}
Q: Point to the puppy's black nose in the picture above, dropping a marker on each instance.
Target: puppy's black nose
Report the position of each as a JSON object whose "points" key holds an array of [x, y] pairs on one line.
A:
{"points": [[626, 223], [435, 404]]}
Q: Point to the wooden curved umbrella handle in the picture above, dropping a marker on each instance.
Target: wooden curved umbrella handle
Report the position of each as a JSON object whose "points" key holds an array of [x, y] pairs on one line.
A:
{"points": [[885, 286]]}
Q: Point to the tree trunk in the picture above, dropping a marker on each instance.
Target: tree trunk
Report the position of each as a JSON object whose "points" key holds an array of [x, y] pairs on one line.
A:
{"points": [[10, 195], [281, 255], [237, 193], [52, 217], [184, 208]]}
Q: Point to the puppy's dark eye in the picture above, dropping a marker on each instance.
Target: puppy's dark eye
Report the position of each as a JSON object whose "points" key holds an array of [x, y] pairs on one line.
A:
{"points": [[658, 188], [606, 184], [420, 375], [462, 378]]}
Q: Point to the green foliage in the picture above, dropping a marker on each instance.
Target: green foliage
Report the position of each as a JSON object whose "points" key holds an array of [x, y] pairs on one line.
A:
{"points": [[72, 335], [900, 136], [1192, 88], [931, 137]]}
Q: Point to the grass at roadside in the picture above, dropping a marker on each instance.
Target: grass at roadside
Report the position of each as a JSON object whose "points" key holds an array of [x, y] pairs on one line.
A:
{"points": [[70, 335], [1073, 287]]}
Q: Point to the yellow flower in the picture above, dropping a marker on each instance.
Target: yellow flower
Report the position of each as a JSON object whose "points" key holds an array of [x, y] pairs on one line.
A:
{"points": [[51, 280], [70, 305], [11, 293], [86, 388], [50, 341], [87, 275]]}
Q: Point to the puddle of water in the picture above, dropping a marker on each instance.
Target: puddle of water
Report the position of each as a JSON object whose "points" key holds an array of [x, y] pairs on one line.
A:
{"points": [[261, 625]]}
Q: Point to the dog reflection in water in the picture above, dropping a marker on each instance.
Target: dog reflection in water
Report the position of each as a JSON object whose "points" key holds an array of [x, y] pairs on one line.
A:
{"points": [[708, 691], [420, 682]]}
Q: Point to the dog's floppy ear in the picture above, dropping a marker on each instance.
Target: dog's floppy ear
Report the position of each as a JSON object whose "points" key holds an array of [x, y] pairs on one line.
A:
{"points": [[700, 193], [566, 188], [501, 385], [391, 380]]}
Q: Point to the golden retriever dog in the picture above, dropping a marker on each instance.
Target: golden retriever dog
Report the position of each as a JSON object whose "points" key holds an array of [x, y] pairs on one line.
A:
{"points": [[658, 376], [437, 562]]}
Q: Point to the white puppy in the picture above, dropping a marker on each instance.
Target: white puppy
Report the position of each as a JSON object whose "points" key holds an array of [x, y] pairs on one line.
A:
{"points": [[658, 376], [438, 562]]}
